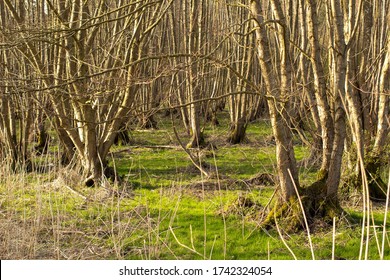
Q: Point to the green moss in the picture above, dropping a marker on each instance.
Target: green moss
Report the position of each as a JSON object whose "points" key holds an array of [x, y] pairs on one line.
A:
{"points": [[135, 220], [322, 175], [377, 187]]}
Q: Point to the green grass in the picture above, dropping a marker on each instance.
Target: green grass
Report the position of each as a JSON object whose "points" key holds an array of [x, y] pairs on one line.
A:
{"points": [[160, 213], [142, 226]]}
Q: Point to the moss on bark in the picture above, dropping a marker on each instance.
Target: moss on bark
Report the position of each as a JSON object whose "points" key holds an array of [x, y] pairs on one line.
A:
{"points": [[316, 205], [376, 186]]}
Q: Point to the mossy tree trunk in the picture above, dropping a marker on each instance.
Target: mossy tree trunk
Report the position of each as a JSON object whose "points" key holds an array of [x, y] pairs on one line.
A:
{"points": [[320, 200], [318, 210], [338, 69], [375, 160], [376, 186]]}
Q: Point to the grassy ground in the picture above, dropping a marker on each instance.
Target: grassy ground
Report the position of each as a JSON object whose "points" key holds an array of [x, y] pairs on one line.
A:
{"points": [[165, 209]]}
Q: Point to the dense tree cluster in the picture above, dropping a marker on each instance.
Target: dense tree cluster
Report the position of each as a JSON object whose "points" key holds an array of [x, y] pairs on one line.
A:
{"points": [[92, 68]]}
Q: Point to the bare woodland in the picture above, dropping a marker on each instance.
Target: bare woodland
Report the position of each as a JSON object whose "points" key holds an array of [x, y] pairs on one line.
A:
{"points": [[316, 69]]}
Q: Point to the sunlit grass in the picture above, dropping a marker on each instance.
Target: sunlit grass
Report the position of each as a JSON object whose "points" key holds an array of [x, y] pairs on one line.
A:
{"points": [[165, 209]]}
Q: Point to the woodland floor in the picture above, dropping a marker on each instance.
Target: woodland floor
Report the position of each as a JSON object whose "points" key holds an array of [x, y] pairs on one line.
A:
{"points": [[165, 209]]}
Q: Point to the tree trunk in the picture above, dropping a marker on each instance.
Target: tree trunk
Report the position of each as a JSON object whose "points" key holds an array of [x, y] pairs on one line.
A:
{"points": [[195, 10], [237, 131], [374, 160], [278, 104], [339, 68], [326, 121], [383, 114]]}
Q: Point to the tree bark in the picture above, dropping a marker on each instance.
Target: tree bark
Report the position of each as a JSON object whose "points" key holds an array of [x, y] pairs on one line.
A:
{"points": [[339, 73], [326, 121], [279, 102]]}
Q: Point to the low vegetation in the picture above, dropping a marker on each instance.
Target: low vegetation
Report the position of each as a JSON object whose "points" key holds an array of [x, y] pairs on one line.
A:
{"points": [[165, 209]]}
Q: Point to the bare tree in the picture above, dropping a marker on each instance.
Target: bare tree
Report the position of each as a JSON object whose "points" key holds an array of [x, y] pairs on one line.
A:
{"points": [[95, 46]]}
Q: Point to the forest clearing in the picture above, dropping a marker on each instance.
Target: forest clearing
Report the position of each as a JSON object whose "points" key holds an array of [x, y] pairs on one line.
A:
{"points": [[197, 129]]}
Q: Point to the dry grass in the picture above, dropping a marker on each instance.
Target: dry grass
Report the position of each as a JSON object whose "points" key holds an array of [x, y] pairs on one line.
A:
{"points": [[46, 216]]}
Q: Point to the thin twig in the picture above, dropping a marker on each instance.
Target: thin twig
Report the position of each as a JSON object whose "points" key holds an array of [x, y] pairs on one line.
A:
{"points": [[385, 220], [282, 238], [333, 238], [304, 215], [183, 245]]}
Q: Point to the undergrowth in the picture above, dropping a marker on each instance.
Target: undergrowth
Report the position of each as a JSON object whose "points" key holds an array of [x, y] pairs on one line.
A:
{"points": [[165, 209]]}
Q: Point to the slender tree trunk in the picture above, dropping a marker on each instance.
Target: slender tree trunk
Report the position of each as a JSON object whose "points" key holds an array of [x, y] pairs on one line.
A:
{"points": [[339, 68], [383, 113], [278, 104], [308, 88], [327, 134], [195, 10]]}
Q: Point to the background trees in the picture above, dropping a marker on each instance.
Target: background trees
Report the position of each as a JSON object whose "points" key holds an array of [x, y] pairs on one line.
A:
{"points": [[87, 57]]}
